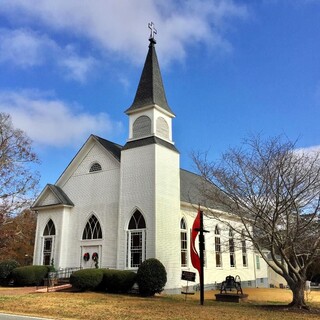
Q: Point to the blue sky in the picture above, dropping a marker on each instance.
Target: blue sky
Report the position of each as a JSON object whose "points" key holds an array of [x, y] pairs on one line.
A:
{"points": [[230, 68]]}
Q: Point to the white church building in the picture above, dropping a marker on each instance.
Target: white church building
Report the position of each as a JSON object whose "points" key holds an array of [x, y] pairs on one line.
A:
{"points": [[115, 206]]}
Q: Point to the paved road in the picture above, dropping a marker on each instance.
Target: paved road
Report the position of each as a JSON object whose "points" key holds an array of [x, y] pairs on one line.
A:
{"points": [[4, 316]]}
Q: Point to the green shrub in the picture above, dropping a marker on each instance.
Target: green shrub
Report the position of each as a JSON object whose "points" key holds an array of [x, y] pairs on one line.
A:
{"points": [[29, 275], [6, 267], [118, 281], [151, 277], [87, 279]]}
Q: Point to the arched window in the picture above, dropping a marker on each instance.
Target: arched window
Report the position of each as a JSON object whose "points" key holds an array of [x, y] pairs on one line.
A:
{"points": [[95, 167], [162, 128], [92, 229], [184, 243], [136, 240], [141, 127], [50, 229], [231, 249], [244, 250], [217, 244], [48, 243]]}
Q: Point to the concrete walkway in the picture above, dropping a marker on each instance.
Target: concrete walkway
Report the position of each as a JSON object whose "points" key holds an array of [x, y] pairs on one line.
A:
{"points": [[56, 288], [5, 316]]}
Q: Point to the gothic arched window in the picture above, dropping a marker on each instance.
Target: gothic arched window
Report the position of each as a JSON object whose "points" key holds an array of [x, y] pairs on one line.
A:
{"points": [[136, 240], [217, 244], [244, 250], [50, 229], [184, 243], [92, 229], [231, 249], [48, 243]]}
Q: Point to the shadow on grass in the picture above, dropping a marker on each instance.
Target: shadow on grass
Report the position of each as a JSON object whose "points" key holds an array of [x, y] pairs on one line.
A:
{"points": [[287, 309]]}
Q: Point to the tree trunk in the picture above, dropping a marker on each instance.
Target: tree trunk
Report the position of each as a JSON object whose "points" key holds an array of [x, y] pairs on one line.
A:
{"points": [[298, 300]]}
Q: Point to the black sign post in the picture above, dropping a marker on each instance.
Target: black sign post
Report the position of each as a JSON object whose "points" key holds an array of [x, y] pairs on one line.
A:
{"points": [[188, 276]]}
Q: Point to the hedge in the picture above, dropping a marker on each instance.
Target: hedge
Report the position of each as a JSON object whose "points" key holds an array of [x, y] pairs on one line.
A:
{"points": [[87, 279], [29, 275], [6, 268], [107, 280], [118, 281]]}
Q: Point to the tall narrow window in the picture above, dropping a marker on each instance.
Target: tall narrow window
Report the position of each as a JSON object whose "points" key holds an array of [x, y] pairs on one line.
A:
{"points": [[204, 252], [92, 229], [136, 240], [244, 250], [184, 243], [231, 249], [217, 243], [258, 262], [48, 243]]}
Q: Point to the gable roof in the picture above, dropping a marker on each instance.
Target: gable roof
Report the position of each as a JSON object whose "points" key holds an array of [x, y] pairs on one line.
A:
{"points": [[192, 185], [150, 89], [59, 198], [194, 188], [113, 148], [60, 194]]}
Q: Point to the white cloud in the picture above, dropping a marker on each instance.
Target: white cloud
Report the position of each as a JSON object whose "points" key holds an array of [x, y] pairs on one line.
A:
{"points": [[23, 48], [26, 48], [78, 68], [51, 122], [313, 150], [120, 26]]}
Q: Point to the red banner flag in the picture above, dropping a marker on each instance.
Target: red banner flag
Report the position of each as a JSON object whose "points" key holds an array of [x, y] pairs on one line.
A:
{"points": [[195, 259]]}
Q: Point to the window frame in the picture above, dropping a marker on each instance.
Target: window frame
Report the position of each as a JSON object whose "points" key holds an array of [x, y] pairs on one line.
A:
{"points": [[95, 167], [184, 243], [232, 254], [48, 235], [136, 228], [93, 229], [217, 247]]}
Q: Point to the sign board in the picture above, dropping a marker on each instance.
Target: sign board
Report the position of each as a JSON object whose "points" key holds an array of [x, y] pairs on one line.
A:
{"points": [[188, 276]]}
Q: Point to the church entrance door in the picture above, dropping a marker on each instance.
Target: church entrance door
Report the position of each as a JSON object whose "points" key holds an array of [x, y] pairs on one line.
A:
{"points": [[91, 255]]}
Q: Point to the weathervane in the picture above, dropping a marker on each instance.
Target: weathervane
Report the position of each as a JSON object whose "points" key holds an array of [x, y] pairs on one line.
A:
{"points": [[153, 30]]}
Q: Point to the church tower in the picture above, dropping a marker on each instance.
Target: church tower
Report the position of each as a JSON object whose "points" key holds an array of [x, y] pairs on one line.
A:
{"points": [[149, 204]]}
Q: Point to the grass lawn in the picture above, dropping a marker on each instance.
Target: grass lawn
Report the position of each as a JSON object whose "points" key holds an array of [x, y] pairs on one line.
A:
{"points": [[94, 306]]}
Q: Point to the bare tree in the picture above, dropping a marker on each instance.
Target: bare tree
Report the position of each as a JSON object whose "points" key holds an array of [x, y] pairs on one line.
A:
{"points": [[18, 179], [274, 190]]}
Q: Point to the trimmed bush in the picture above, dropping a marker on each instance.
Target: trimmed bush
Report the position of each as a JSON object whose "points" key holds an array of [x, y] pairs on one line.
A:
{"points": [[151, 277], [118, 281], [6, 267], [87, 279], [29, 275]]}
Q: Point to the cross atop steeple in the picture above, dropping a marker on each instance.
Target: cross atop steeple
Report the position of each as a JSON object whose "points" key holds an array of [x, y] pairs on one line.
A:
{"points": [[150, 89], [153, 31]]}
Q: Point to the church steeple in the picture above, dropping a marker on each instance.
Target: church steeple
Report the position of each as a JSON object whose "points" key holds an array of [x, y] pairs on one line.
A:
{"points": [[150, 90]]}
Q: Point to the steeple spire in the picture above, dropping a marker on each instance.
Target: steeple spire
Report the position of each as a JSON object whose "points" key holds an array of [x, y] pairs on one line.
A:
{"points": [[150, 89]]}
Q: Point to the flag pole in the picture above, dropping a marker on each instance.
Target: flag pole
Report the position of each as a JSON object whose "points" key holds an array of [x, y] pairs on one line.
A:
{"points": [[201, 249], [198, 259]]}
